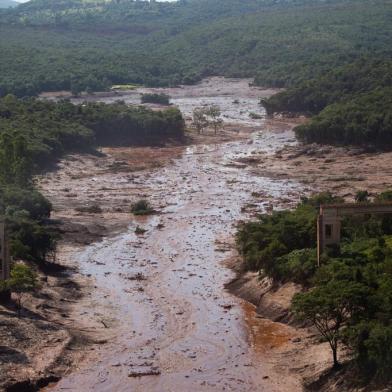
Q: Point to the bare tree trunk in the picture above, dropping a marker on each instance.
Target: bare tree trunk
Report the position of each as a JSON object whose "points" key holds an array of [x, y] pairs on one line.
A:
{"points": [[334, 347], [19, 304]]}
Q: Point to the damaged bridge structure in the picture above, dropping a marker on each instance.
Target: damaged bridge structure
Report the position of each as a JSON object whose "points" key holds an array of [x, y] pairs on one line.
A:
{"points": [[331, 215], [5, 261], [4, 254]]}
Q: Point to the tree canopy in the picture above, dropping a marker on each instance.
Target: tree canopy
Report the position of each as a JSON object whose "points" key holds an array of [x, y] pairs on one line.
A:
{"points": [[351, 104], [80, 45]]}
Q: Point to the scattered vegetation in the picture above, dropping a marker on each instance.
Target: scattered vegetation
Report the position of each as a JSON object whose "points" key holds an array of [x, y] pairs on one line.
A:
{"points": [[208, 116], [213, 114], [142, 207], [90, 209], [22, 280], [199, 119]]}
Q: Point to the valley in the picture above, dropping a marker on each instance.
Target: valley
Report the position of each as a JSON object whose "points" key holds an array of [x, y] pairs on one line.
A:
{"points": [[166, 173], [159, 297], [156, 298]]}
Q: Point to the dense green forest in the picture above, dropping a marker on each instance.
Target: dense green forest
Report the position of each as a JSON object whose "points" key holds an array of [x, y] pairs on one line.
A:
{"points": [[338, 84], [36, 133], [365, 119], [352, 104], [8, 3], [81, 45], [357, 277]]}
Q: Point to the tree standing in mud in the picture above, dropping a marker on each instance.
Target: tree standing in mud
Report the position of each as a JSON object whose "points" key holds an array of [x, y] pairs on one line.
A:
{"points": [[214, 113], [23, 280], [330, 308], [208, 116], [199, 119]]}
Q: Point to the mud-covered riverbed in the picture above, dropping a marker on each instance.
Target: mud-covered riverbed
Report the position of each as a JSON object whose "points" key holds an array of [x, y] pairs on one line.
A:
{"points": [[157, 299]]}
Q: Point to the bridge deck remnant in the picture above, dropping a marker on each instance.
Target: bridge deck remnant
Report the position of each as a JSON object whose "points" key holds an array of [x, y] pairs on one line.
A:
{"points": [[330, 216]]}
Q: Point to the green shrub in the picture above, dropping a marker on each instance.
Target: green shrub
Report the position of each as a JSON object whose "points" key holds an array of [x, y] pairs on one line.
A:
{"points": [[298, 266], [90, 209], [142, 207], [139, 230], [22, 280], [162, 99]]}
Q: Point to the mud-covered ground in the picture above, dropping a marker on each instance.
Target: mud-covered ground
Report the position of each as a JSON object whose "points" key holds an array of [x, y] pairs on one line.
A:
{"points": [[36, 346], [153, 312], [160, 296], [342, 171]]}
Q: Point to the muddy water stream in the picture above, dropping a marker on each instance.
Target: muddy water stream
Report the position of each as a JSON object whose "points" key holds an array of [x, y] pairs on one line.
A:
{"points": [[160, 295]]}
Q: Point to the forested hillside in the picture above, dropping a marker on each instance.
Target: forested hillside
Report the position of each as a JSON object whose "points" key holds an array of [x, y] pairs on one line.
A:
{"points": [[79, 45], [325, 52], [8, 3], [364, 119], [352, 103], [337, 84]]}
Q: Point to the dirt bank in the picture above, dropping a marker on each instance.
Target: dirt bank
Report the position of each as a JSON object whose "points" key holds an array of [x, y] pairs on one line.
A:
{"points": [[295, 350], [38, 347]]}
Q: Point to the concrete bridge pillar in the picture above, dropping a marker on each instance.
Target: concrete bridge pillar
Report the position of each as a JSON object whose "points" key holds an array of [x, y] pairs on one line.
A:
{"points": [[329, 220], [4, 254], [328, 231]]}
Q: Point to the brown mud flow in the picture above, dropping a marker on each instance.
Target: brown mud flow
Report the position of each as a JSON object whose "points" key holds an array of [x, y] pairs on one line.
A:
{"points": [[159, 297]]}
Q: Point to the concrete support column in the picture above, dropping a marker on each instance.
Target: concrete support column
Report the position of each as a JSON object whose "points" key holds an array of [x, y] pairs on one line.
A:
{"points": [[320, 239], [328, 233], [4, 254]]}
